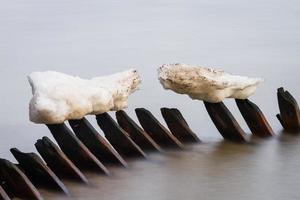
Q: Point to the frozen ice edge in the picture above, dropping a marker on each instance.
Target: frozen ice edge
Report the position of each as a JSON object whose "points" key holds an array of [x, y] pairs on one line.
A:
{"points": [[206, 84], [58, 97]]}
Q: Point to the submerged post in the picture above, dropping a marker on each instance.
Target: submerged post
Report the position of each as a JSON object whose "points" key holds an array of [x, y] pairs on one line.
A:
{"points": [[75, 149], [289, 116], [16, 182], [178, 125], [225, 122], [254, 118], [138, 135], [37, 171], [3, 194], [156, 130], [118, 137], [58, 162], [95, 142]]}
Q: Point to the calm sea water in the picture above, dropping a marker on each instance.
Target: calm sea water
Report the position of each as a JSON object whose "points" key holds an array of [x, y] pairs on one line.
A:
{"points": [[91, 38]]}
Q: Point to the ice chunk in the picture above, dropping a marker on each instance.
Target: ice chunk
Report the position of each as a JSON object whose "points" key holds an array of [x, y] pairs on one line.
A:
{"points": [[58, 97], [205, 83]]}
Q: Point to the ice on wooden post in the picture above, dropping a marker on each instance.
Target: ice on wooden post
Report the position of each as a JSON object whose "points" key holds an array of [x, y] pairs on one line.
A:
{"points": [[205, 83], [58, 97], [212, 86]]}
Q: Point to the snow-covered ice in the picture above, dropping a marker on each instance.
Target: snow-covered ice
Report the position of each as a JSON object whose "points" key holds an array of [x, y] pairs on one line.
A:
{"points": [[205, 83], [58, 97]]}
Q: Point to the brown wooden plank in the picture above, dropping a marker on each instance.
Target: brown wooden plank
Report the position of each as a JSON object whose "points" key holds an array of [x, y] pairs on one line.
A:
{"points": [[254, 118], [225, 122], [137, 134], [3, 194], [178, 125], [118, 137], [37, 171], [289, 116], [58, 162], [90, 137], [156, 130], [16, 182], [75, 149]]}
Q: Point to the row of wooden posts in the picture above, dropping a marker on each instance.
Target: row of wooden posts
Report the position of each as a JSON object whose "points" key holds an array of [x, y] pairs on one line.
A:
{"points": [[85, 149]]}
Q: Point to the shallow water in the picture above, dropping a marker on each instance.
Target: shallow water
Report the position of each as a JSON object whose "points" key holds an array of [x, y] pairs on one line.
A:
{"points": [[257, 38], [220, 170]]}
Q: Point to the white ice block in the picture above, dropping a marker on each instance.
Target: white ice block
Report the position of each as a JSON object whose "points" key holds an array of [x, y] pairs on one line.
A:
{"points": [[205, 83], [58, 97]]}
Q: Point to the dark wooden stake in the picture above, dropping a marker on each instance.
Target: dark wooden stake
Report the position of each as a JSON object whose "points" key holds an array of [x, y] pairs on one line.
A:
{"points": [[90, 137], [137, 134], [254, 118], [58, 162], [16, 183], [3, 195], [178, 126], [156, 130], [75, 149], [289, 116], [118, 137], [225, 122], [36, 170]]}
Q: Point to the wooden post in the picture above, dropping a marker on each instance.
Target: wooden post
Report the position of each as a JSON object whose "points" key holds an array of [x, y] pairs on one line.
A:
{"points": [[254, 118], [156, 130], [75, 149], [178, 126], [60, 164], [3, 195], [16, 182], [289, 116], [118, 137], [225, 122], [136, 133], [95, 142], [36, 170]]}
